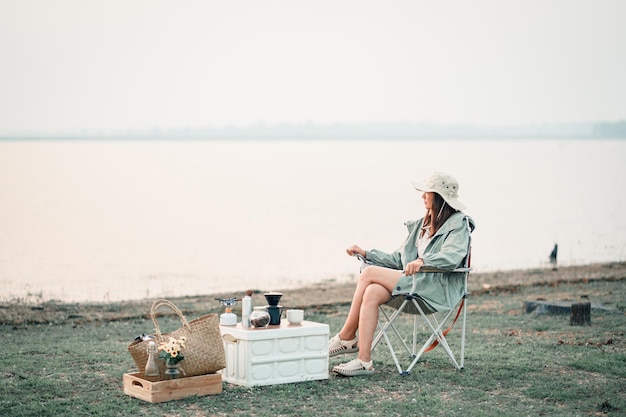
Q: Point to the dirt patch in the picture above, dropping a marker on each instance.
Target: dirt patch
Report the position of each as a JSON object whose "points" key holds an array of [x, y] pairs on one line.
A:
{"points": [[324, 297]]}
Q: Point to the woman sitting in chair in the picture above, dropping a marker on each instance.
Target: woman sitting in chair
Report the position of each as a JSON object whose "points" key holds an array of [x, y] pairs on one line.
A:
{"points": [[440, 239]]}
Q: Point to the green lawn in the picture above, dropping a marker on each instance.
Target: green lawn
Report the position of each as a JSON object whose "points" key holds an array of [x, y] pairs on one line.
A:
{"points": [[516, 364]]}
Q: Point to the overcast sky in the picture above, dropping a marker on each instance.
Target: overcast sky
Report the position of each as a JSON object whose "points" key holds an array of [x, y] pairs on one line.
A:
{"points": [[127, 64]]}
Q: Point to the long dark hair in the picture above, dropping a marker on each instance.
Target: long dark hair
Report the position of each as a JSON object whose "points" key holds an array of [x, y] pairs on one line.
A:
{"points": [[437, 216]]}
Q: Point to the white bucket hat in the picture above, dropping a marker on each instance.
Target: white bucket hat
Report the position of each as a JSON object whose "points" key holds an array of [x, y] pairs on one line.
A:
{"points": [[445, 185]]}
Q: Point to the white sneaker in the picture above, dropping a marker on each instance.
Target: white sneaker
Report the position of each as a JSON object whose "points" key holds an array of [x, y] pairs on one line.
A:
{"points": [[354, 367], [336, 346]]}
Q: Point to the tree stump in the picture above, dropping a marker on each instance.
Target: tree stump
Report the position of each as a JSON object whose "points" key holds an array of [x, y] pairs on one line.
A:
{"points": [[580, 315]]}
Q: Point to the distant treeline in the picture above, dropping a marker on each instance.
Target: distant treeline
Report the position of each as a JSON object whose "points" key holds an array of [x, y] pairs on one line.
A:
{"points": [[610, 130], [597, 130]]}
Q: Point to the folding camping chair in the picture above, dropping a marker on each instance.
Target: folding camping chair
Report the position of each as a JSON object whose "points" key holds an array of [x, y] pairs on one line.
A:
{"points": [[412, 303]]}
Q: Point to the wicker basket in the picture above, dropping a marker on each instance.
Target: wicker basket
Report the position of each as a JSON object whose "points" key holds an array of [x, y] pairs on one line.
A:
{"points": [[204, 349]]}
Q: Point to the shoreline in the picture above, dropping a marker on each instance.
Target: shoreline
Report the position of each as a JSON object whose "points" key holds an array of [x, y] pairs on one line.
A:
{"points": [[317, 296]]}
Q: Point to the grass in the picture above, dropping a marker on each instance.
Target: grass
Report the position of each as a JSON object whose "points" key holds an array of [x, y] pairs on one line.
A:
{"points": [[516, 364]]}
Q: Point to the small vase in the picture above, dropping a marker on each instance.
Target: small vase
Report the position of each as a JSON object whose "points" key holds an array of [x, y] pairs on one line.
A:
{"points": [[171, 371]]}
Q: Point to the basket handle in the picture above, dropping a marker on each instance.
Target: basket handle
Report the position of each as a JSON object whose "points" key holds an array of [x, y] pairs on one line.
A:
{"points": [[163, 302]]}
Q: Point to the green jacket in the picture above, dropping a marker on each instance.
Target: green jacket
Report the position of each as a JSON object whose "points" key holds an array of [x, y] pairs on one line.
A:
{"points": [[446, 250]]}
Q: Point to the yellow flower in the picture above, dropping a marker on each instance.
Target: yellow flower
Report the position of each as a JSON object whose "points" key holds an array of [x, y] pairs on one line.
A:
{"points": [[172, 347]]}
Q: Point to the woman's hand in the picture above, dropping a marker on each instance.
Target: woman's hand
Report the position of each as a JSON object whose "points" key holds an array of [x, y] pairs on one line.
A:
{"points": [[413, 267], [354, 249]]}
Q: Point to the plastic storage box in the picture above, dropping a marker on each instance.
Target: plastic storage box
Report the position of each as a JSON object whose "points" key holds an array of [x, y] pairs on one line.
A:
{"points": [[278, 354]]}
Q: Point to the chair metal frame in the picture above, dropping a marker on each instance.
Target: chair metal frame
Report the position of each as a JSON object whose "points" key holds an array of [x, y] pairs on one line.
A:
{"points": [[412, 303]]}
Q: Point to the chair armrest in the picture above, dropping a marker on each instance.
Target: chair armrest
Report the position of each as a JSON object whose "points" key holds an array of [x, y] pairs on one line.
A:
{"points": [[424, 268], [428, 268]]}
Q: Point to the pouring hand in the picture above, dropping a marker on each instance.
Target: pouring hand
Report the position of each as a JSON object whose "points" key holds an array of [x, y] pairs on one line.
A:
{"points": [[354, 249]]}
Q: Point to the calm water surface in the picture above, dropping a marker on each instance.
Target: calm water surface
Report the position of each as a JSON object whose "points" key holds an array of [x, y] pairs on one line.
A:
{"points": [[114, 220]]}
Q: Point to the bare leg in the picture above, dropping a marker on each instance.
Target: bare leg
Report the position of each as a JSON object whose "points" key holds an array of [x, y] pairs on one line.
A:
{"points": [[386, 279], [374, 296]]}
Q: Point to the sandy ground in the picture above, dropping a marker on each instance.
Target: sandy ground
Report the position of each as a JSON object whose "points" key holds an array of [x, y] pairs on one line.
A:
{"points": [[323, 296]]}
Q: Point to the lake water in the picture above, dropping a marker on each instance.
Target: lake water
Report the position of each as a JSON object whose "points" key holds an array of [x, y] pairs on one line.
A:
{"points": [[115, 220]]}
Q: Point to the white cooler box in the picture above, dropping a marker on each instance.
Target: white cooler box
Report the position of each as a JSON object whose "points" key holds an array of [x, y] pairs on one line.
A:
{"points": [[276, 354]]}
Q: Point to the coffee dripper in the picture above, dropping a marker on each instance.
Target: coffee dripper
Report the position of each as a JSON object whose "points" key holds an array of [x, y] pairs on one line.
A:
{"points": [[274, 310]]}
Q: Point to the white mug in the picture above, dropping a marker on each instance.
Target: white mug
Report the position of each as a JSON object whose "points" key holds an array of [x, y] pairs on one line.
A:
{"points": [[295, 316]]}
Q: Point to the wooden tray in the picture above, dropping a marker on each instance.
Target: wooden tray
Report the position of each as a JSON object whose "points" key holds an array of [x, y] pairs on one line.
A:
{"points": [[173, 389]]}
